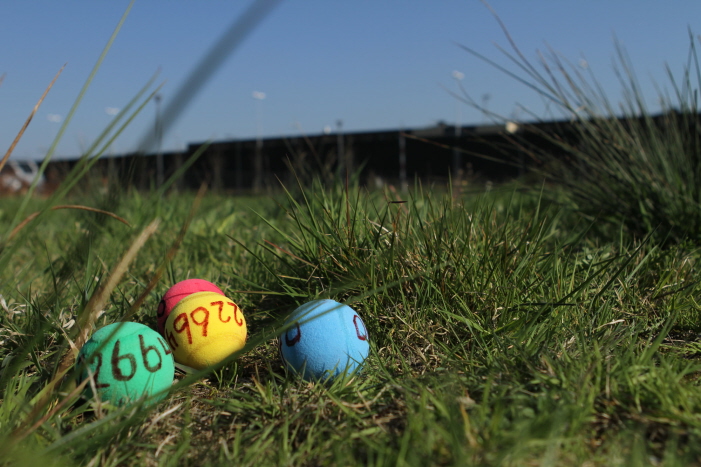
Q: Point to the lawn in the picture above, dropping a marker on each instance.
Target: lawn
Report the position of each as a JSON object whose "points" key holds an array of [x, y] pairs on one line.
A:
{"points": [[504, 329], [545, 323]]}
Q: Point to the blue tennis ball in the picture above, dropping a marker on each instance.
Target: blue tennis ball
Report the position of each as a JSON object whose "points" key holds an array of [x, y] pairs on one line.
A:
{"points": [[326, 339], [127, 361]]}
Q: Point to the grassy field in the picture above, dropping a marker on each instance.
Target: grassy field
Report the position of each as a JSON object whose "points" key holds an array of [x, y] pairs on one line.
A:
{"points": [[549, 324], [504, 330]]}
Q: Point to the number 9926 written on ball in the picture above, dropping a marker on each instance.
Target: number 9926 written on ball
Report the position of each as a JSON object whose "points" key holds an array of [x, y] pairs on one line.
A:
{"points": [[204, 329]]}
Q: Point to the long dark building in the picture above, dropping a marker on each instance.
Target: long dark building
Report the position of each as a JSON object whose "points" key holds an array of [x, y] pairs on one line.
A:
{"points": [[488, 152]]}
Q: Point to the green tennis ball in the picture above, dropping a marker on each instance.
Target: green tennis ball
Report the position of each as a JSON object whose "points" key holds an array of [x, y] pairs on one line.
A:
{"points": [[127, 361], [205, 328]]}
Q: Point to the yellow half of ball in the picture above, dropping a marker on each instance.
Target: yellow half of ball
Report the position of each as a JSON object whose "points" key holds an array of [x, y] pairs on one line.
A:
{"points": [[204, 329]]}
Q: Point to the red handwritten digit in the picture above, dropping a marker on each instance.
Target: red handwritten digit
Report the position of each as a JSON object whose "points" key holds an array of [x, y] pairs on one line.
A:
{"points": [[116, 358], [144, 355], [185, 327], [364, 336], [221, 308], [236, 310], [171, 340], [205, 319]]}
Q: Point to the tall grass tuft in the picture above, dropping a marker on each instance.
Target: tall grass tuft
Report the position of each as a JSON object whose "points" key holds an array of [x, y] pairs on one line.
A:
{"points": [[619, 162]]}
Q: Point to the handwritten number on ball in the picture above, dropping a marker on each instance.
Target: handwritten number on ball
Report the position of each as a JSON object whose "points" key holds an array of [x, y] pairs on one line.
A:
{"points": [[295, 339], [221, 308], [200, 317], [236, 309], [171, 338], [364, 336], [116, 358], [144, 354], [228, 318], [205, 319], [97, 357], [185, 327], [117, 373], [165, 347]]}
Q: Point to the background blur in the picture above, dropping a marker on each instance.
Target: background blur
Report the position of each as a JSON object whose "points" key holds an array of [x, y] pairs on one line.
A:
{"points": [[372, 65]]}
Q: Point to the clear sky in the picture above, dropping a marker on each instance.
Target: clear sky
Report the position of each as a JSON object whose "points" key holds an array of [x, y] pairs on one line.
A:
{"points": [[374, 64]]}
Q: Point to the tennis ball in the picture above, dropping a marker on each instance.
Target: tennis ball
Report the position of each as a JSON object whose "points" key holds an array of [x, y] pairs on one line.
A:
{"points": [[179, 291], [127, 361], [204, 328], [326, 340]]}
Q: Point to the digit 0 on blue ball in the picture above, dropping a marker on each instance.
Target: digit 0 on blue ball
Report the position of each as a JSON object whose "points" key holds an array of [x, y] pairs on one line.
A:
{"points": [[324, 339], [126, 361]]}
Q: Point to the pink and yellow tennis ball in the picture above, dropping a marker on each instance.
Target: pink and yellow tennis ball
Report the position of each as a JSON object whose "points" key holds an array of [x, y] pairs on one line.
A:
{"points": [[205, 328], [179, 291]]}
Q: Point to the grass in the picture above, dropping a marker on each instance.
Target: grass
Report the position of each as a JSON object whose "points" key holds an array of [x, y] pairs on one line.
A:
{"points": [[506, 328], [616, 161], [501, 333]]}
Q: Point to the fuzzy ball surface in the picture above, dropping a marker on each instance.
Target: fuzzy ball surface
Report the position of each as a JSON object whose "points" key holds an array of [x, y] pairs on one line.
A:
{"points": [[326, 339], [205, 328], [127, 361], [179, 291]]}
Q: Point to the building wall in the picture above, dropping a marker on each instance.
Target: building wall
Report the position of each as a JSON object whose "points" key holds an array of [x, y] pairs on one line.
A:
{"points": [[488, 153]]}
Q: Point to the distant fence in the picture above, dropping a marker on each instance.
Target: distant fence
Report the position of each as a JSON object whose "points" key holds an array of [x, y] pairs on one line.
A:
{"points": [[430, 155]]}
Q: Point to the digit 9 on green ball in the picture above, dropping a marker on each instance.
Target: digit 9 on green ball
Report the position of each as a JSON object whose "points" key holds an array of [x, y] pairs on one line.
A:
{"points": [[127, 361]]}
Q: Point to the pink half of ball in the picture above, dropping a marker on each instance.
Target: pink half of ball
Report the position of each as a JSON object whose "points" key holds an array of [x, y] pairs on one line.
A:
{"points": [[179, 291]]}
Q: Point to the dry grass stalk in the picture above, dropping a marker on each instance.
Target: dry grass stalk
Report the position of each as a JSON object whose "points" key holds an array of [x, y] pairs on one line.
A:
{"points": [[29, 119], [33, 216], [169, 256], [87, 319], [99, 298], [20, 433]]}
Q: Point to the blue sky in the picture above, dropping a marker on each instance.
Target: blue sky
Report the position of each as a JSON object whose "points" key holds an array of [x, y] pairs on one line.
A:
{"points": [[374, 64]]}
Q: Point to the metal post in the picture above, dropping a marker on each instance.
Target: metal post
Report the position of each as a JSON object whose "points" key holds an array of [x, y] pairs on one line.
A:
{"points": [[258, 161], [402, 162], [239, 167], [457, 156], [159, 141], [342, 163]]}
